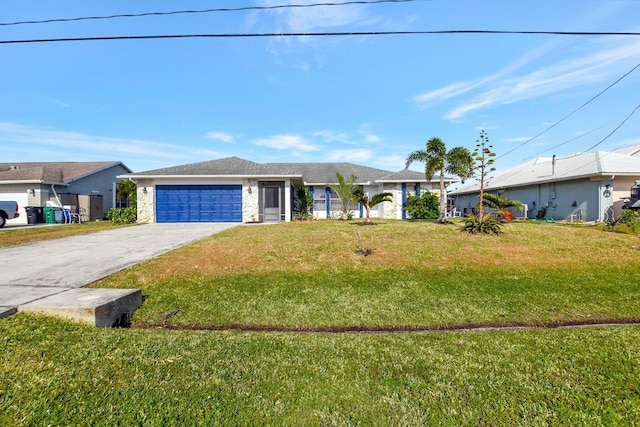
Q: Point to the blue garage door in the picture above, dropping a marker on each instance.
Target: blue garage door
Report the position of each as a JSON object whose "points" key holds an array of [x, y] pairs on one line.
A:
{"points": [[199, 203]]}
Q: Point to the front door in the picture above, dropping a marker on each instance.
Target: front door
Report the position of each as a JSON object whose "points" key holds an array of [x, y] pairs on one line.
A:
{"points": [[271, 203]]}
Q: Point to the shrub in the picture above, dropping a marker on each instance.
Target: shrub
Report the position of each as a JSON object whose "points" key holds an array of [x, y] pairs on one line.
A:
{"points": [[122, 215], [423, 207], [628, 222], [302, 204], [488, 224]]}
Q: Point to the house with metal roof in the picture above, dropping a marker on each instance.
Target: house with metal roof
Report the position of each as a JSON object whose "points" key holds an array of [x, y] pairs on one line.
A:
{"points": [[74, 184], [238, 190], [585, 186]]}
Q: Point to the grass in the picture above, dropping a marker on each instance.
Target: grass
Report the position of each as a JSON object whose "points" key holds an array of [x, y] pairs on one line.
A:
{"points": [[306, 275], [309, 276], [21, 236], [58, 373]]}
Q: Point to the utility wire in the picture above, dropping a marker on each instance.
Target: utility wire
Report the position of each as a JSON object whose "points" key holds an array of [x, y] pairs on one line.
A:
{"points": [[565, 142], [615, 130], [571, 113], [327, 34], [603, 140], [179, 12]]}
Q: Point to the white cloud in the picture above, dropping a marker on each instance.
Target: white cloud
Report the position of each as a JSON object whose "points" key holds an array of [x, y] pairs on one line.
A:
{"points": [[605, 62], [306, 20], [286, 142], [37, 144], [393, 162], [331, 136], [220, 136], [352, 155], [78, 142], [367, 135], [301, 19]]}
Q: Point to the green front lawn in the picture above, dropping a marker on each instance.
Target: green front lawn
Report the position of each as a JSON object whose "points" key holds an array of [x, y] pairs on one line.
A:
{"points": [[420, 275], [57, 373], [302, 276]]}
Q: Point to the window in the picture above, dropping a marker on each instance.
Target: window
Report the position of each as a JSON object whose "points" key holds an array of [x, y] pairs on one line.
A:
{"points": [[319, 201]]}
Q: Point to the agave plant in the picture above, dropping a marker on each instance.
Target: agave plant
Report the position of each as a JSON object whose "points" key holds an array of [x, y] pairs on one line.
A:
{"points": [[501, 205], [488, 224]]}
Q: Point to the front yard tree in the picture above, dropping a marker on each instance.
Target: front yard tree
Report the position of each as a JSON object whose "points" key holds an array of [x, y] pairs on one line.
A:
{"points": [[484, 158], [361, 197], [345, 189], [457, 161]]}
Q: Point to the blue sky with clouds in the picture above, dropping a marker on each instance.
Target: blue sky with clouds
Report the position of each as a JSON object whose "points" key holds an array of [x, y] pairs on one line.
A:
{"points": [[364, 99]]}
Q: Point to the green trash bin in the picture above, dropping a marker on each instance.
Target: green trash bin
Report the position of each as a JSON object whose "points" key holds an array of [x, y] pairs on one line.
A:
{"points": [[50, 214]]}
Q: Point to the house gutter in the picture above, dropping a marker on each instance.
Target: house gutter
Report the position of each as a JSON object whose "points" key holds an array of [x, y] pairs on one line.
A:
{"points": [[53, 188]]}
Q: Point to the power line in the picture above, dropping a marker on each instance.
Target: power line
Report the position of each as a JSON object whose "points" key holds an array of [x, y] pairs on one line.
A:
{"points": [[564, 143], [615, 130], [325, 34], [571, 113], [603, 140], [179, 12]]}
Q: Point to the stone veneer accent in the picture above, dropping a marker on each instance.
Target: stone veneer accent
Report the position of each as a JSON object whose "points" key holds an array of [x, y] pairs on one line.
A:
{"points": [[393, 210], [250, 201], [146, 213]]}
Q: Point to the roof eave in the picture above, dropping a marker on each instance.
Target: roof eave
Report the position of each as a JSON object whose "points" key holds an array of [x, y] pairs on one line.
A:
{"points": [[84, 175], [33, 181], [134, 176]]}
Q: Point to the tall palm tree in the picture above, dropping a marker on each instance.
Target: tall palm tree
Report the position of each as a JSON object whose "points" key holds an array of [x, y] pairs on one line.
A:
{"points": [[437, 159]]}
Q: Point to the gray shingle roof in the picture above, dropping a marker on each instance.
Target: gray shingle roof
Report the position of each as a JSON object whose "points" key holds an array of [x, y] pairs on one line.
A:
{"points": [[311, 173], [52, 172], [325, 173], [231, 166], [407, 175]]}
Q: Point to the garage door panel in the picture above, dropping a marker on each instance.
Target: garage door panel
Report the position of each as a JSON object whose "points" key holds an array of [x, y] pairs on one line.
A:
{"points": [[199, 203]]}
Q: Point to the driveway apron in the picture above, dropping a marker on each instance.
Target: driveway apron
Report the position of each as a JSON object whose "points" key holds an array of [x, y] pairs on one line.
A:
{"points": [[74, 262]]}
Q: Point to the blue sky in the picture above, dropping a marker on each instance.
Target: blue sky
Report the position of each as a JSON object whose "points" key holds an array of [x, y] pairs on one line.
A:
{"points": [[364, 99]]}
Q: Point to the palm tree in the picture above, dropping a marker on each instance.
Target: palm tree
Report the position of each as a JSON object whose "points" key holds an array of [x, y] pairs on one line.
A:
{"points": [[501, 204], [457, 161], [368, 203], [345, 189]]}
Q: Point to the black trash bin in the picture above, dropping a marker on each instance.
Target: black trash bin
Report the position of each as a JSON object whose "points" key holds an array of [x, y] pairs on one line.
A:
{"points": [[35, 214]]}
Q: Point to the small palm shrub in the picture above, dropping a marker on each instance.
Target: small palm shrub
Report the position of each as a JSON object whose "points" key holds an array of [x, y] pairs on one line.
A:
{"points": [[122, 215], [488, 224]]}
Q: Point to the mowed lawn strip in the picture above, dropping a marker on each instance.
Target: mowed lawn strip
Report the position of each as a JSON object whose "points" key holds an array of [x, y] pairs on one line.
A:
{"points": [[54, 372], [309, 275], [24, 235]]}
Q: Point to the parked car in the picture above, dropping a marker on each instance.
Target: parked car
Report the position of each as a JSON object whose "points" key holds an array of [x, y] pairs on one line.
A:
{"points": [[8, 210]]}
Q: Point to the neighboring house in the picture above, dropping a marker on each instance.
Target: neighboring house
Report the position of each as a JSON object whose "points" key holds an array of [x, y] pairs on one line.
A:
{"points": [[237, 190], [586, 186], [73, 184]]}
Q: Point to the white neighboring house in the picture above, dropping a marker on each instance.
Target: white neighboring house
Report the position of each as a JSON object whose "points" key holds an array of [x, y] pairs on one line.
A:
{"points": [[586, 186], [40, 184], [238, 190]]}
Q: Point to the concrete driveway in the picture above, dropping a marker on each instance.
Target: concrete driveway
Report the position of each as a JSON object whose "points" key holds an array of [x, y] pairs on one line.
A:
{"points": [[73, 262], [36, 271]]}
